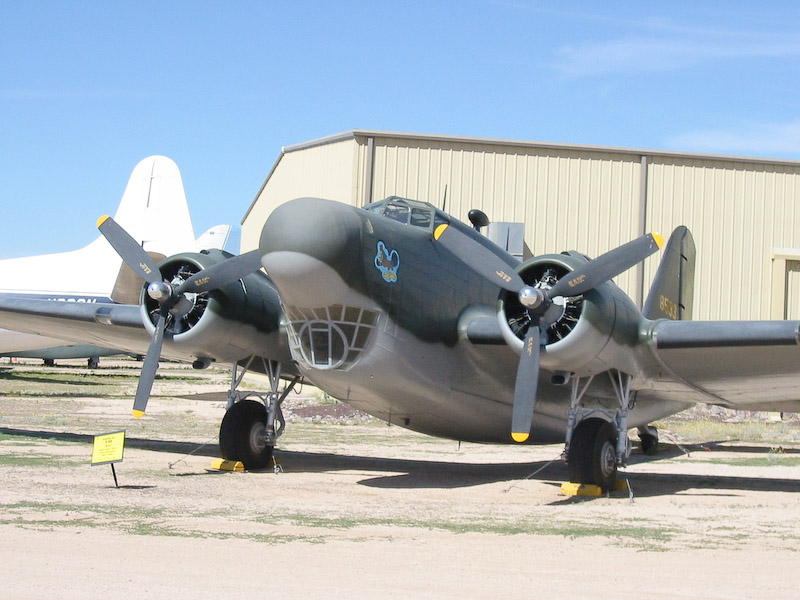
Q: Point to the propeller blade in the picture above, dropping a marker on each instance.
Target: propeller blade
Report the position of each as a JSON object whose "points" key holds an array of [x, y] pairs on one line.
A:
{"points": [[606, 266], [482, 260], [130, 251], [224, 272], [150, 366], [527, 382]]}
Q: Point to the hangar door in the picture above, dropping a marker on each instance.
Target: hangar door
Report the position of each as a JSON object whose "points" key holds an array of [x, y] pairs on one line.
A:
{"points": [[786, 285]]}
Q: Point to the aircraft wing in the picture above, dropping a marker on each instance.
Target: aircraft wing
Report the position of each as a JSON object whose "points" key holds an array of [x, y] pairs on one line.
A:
{"points": [[117, 326], [748, 365]]}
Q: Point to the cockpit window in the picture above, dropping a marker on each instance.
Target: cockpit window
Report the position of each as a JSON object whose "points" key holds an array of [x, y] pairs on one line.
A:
{"points": [[397, 212], [409, 212], [420, 217]]}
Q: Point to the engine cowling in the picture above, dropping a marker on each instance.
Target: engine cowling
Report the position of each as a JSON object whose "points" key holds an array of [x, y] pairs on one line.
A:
{"points": [[578, 328], [228, 324]]}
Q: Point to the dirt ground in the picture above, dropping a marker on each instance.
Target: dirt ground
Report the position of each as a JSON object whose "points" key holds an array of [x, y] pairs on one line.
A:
{"points": [[361, 508]]}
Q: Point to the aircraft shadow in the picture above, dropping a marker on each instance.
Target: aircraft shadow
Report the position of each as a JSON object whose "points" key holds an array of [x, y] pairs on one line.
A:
{"points": [[206, 397], [420, 474], [11, 375], [399, 473], [426, 474], [732, 446], [211, 450]]}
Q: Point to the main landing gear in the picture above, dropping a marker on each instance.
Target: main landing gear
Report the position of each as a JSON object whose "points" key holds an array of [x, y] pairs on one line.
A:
{"points": [[597, 437], [254, 420], [648, 437]]}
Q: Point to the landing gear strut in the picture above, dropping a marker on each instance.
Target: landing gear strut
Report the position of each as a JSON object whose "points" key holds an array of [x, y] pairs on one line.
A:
{"points": [[597, 438], [254, 420]]}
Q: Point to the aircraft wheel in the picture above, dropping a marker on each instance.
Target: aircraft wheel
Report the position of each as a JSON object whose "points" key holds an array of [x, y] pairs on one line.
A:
{"points": [[241, 435], [227, 435], [649, 440], [593, 454]]}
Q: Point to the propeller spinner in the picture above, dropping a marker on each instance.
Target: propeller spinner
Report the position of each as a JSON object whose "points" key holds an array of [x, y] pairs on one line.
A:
{"points": [[537, 301], [171, 298]]}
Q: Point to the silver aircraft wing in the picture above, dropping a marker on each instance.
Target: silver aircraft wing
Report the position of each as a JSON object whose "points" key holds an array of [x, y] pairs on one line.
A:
{"points": [[117, 326], [748, 365]]}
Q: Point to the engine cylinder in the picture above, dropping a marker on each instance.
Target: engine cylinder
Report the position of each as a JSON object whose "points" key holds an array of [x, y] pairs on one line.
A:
{"points": [[238, 320], [577, 328]]}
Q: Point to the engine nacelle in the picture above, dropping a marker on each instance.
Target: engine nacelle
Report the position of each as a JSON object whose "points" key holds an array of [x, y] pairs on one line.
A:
{"points": [[234, 322], [577, 338]]}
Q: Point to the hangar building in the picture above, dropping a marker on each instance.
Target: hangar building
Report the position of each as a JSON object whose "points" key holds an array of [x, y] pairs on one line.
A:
{"points": [[744, 212]]}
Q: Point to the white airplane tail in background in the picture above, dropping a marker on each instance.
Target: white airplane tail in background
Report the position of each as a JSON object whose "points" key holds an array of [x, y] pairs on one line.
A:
{"points": [[224, 237], [153, 210]]}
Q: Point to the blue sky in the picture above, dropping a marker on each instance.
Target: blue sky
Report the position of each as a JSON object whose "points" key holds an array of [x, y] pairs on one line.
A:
{"points": [[87, 89]]}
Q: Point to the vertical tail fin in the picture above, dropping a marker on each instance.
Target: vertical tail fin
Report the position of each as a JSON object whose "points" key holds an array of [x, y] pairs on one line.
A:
{"points": [[154, 208], [154, 211], [672, 293]]}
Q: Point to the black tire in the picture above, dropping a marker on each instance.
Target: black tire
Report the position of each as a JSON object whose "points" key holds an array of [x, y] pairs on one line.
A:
{"points": [[241, 435], [228, 430], [592, 454], [649, 442]]}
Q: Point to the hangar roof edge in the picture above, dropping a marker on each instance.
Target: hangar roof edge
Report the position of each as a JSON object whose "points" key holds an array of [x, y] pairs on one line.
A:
{"points": [[367, 133], [354, 133]]}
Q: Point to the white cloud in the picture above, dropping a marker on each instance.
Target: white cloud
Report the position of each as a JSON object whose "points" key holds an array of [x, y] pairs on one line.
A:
{"points": [[676, 51], [767, 139]]}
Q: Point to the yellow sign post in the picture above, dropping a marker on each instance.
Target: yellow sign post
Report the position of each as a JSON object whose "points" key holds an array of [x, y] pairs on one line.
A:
{"points": [[108, 448]]}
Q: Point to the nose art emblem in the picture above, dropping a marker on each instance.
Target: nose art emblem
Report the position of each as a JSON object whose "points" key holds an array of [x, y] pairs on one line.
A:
{"points": [[387, 262]]}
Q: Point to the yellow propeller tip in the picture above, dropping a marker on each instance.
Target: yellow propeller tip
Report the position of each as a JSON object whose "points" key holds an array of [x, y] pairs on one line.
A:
{"points": [[437, 233], [520, 437], [658, 238], [102, 220], [138, 413]]}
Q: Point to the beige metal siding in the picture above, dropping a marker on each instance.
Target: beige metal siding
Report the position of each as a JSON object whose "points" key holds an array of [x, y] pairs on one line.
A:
{"points": [[568, 200], [792, 303], [326, 171], [570, 197], [738, 213]]}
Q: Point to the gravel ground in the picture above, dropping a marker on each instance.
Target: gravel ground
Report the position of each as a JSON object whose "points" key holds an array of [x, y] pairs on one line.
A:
{"points": [[363, 508]]}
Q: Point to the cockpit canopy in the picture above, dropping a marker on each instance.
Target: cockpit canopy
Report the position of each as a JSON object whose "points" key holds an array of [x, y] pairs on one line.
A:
{"points": [[408, 212]]}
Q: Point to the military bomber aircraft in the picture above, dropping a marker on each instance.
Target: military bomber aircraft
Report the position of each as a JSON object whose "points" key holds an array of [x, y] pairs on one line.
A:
{"points": [[410, 315]]}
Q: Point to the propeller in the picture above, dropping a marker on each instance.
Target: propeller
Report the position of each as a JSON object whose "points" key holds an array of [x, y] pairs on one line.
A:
{"points": [[171, 298], [537, 301]]}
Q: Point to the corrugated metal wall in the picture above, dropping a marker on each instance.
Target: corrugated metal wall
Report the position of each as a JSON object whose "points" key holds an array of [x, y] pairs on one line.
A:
{"points": [[324, 171], [738, 213], [792, 290], [568, 197]]}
